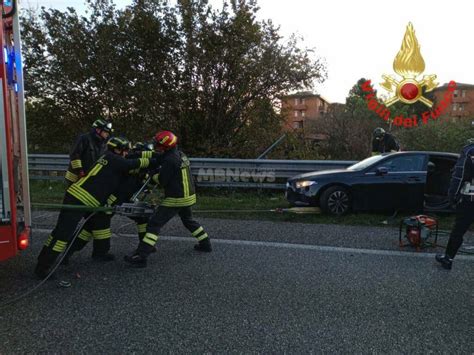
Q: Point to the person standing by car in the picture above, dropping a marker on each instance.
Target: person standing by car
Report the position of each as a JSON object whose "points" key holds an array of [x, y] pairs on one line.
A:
{"points": [[461, 194], [383, 142]]}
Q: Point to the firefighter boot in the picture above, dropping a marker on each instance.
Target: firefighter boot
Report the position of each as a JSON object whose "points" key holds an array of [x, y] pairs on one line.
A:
{"points": [[204, 245], [136, 260], [445, 261]]}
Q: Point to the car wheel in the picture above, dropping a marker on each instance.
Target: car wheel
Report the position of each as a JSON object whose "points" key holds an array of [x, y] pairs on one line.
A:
{"points": [[336, 201]]}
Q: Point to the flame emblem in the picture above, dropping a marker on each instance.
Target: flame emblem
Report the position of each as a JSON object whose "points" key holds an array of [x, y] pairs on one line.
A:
{"points": [[409, 64]]}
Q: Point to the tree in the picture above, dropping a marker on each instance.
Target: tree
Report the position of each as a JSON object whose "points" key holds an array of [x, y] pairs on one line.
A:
{"points": [[348, 128], [206, 74]]}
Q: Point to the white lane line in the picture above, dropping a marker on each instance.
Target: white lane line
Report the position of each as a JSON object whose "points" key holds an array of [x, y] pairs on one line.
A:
{"points": [[299, 246]]}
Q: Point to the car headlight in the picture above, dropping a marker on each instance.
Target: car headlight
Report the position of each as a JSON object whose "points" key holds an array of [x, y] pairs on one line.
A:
{"points": [[304, 183]]}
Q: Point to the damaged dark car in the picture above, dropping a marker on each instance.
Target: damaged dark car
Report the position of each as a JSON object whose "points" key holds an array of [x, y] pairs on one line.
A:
{"points": [[411, 181]]}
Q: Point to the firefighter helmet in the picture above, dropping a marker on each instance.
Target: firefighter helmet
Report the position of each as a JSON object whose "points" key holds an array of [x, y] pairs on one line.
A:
{"points": [[103, 125], [143, 146], [120, 143], [165, 140], [378, 132]]}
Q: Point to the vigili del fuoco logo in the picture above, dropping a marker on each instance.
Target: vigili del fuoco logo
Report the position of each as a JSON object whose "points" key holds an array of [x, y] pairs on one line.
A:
{"points": [[409, 65]]}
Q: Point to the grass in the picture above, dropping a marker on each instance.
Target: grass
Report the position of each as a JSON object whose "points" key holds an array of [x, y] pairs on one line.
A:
{"points": [[246, 205]]}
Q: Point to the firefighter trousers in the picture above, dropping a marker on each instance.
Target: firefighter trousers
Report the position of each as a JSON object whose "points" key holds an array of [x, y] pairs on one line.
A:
{"points": [[61, 235], [160, 218], [464, 218], [98, 228]]}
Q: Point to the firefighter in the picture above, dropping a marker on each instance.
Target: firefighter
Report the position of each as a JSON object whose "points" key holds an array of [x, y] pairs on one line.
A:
{"points": [[98, 227], [383, 142], [87, 149], [84, 153], [461, 194], [91, 191], [176, 180]]}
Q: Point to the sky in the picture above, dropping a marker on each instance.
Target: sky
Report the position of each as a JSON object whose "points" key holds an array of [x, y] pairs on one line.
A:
{"points": [[361, 38]]}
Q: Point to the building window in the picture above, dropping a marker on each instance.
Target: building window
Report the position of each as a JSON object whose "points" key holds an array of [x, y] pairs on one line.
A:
{"points": [[296, 113], [297, 124], [461, 107], [463, 93], [302, 100], [456, 93], [296, 101], [302, 113], [455, 107]]}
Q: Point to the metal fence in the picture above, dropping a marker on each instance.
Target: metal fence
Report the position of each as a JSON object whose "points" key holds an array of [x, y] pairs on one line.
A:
{"points": [[212, 172]]}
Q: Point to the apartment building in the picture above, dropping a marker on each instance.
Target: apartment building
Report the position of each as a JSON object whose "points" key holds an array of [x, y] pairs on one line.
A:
{"points": [[462, 105], [302, 108]]}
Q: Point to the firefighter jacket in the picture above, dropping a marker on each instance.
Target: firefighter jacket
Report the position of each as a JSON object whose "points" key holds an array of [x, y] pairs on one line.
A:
{"points": [[176, 179], [85, 152], [104, 178], [136, 178], [463, 172], [385, 145]]}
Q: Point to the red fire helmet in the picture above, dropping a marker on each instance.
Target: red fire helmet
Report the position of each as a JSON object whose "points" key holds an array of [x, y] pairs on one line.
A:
{"points": [[166, 140]]}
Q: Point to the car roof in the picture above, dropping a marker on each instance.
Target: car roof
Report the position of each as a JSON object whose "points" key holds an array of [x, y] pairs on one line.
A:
{"points": [[442, 154]]}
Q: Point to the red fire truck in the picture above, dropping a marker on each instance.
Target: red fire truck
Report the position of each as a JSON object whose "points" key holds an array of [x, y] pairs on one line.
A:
{"points": [[15, 211]]}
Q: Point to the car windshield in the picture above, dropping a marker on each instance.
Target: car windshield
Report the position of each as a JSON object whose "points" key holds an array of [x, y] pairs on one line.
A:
{"points": [[365, 163]]}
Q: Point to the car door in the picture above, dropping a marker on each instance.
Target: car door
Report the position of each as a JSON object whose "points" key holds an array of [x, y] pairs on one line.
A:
{"points": [[395, 183]]}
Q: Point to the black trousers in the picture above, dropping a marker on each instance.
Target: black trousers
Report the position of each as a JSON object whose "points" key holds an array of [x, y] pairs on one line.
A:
{"points": [[160, 218], [98, 228], [63, 232], [464, 218]]}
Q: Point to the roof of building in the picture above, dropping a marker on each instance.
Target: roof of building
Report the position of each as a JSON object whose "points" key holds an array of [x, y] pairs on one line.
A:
{"points": [[304, 94], [458, 86]]}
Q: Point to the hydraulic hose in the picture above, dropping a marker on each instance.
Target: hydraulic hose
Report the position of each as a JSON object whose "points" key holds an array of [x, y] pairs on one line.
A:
{"points": [[53, 269]]}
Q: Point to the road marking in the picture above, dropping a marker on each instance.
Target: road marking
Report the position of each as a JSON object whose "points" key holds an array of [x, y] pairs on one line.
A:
{"points": [[298, 246]]}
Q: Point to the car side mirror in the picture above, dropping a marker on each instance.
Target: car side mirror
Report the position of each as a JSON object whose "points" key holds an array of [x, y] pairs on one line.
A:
{"points": [[381, 171]]}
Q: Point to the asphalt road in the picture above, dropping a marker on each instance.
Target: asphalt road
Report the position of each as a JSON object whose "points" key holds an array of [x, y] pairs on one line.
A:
{"points": [[266, 288]]}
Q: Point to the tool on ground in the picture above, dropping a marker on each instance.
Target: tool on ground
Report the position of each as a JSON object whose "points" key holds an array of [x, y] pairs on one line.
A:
{"points": [[418, 230]]}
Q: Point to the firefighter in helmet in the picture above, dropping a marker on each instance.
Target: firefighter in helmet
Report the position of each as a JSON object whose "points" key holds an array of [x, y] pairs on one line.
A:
{"points": [[91, 191], [98, 227], [176, 180], [383, 142], [87, 149], [461, 195]]}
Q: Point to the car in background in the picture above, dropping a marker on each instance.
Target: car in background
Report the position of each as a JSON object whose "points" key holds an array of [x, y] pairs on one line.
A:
{"points": [[413, 181]]}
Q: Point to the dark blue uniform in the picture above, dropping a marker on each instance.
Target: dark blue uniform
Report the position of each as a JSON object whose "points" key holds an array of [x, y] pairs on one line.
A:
{"points": [[93, 190], [176, 180], [386, 144], [84, 153], [463, 172]]}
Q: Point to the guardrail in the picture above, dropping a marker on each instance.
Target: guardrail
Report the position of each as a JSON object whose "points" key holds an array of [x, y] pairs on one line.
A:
{"points": [[212, 172]]}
